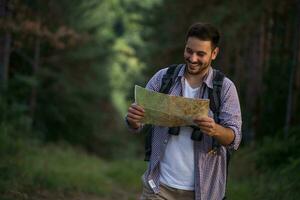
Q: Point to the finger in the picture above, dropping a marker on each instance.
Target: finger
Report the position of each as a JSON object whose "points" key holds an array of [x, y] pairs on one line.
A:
{"points": [[135, 117], [135, 111], [205, 124], [197, 118], [206, 130], [203, 119], [137, 107], [132, 120]]}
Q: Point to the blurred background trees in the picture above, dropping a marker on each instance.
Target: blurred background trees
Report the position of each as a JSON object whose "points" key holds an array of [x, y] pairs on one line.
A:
{"points": [[68, 66], [68, 69]]}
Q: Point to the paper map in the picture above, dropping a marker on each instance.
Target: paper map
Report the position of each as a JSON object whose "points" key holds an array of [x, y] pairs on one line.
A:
{"points": [[167, 110]]}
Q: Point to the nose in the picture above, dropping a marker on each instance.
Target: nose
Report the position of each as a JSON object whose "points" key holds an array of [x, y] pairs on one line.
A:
{"points": [[193, 58]]}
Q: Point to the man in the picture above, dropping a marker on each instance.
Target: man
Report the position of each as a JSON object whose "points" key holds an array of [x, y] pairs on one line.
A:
{"points": [[181, 168]]}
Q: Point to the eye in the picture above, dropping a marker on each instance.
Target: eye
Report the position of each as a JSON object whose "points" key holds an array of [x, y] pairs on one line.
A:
{"points": [[188, 50], [200, 54]]}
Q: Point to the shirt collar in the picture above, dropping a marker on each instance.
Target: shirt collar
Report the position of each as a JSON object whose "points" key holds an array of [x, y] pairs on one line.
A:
{"points": [[208, 79]]}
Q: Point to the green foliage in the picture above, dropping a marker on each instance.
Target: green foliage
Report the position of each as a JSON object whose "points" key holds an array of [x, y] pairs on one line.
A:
{"points": [[81, 89], [61, 168], [9, 168], [65, 169], [267, 170], [278, 152], [28, 165], [12, 143], [272, 103]]}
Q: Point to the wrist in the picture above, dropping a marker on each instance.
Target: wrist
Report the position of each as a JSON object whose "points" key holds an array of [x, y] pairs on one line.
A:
{"points": [[135, 126], [132, 125], [217, 131]]}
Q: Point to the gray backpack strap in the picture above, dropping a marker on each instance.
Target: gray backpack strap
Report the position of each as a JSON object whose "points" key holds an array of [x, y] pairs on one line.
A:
{"points": [[215, 101], [215, 94], [169, 78], [167, 82], [215, 104]]}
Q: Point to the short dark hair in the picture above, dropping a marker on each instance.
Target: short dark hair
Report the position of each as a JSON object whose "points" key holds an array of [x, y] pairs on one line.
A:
{"points": [[204, 31]]}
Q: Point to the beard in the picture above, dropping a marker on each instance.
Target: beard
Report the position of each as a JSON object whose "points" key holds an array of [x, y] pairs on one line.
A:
{"points": [[196, 68]]}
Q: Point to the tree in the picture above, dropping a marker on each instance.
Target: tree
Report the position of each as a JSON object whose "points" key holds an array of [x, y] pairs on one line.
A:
{"points": [[5, 44]]}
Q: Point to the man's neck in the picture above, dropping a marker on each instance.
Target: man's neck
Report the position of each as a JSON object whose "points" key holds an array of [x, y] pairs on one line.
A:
{"points": [[195, 80]]}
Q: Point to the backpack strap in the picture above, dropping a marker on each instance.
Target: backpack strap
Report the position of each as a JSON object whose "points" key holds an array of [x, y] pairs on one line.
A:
{"points": [[215, 104], [215, 94], [215, 100], [166, 84], [169, 78]]}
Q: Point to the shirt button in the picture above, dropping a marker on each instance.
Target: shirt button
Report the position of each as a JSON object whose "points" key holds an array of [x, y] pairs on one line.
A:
{"points": [[166, 141]]}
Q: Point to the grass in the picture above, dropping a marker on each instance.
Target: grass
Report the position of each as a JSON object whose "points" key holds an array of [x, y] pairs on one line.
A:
{"points": [[247, 181], [64, 170], [241, 171], [35, 171]]}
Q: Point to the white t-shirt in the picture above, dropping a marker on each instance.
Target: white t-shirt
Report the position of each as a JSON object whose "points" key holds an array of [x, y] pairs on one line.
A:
{"points": [[177, 165]]}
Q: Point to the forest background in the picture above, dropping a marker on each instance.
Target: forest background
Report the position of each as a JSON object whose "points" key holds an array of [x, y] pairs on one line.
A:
{"points": [[67, 73]]}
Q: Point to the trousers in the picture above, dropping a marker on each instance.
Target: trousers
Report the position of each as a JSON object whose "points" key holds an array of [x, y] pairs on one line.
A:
{"points": [[166, 193]]}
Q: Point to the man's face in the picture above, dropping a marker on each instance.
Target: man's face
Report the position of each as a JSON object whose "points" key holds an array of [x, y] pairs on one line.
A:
{"points": [[198, 55]]}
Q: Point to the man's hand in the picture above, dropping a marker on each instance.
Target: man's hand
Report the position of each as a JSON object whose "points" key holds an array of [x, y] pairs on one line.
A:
{"points": [[223, 134], [134, 115], [207, 125]]}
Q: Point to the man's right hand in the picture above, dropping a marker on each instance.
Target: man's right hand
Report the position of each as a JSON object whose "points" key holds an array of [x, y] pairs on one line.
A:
{"points": [[134, 115]]}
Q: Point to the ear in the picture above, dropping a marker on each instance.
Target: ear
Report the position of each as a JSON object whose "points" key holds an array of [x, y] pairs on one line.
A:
{"points": [[214, 53]]}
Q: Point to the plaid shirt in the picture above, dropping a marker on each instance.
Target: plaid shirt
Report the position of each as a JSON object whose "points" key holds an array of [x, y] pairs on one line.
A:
{"points": [[210, 170]]}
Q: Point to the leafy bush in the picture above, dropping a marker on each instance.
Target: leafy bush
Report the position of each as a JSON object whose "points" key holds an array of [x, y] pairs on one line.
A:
{"points": [[277, 152], [267, 170]]}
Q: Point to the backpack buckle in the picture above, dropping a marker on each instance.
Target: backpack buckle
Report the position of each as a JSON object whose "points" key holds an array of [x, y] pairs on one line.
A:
{"points": [[214, 151]]}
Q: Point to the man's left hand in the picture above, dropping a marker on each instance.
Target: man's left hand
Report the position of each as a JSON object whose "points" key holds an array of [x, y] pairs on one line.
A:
{"points": [[207, 125]]}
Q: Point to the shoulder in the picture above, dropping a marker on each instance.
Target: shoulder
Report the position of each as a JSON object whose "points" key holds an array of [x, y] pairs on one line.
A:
{"points": [[155, 82], [219, 75], [228, 88], [161, 72], [227, 82]]}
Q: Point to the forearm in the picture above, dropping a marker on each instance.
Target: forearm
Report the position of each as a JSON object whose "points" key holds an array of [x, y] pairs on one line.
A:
{"points": [[224, 136]]}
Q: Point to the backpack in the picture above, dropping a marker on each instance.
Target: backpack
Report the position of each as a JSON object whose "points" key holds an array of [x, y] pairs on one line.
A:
{"points": [[213, 94]]}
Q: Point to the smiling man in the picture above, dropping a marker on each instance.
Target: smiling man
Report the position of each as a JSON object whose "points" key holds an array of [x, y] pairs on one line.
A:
{"points": [[183, 166]]}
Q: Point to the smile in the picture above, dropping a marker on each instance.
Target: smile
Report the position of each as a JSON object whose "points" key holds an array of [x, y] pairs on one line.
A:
{"points": [[193, 65]]}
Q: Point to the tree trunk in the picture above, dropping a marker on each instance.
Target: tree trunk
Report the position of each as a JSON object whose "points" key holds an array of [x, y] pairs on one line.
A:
{"points": [[6, 58], [33, 97], [293, 69], [5, 47]]}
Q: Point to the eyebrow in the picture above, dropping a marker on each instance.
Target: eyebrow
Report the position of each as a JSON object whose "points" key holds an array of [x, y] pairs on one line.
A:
{"points": [[203, 52]]}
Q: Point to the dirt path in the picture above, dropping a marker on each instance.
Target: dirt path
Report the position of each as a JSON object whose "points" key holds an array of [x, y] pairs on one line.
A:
{"points": [[48, 195]]}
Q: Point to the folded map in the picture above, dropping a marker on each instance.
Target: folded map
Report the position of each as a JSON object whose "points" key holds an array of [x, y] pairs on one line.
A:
{"points": [[167, 110]]}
